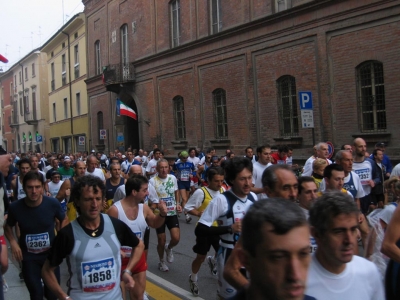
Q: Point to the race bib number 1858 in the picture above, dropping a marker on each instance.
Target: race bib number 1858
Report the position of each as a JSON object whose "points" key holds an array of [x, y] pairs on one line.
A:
{"points": [[99, 276]]}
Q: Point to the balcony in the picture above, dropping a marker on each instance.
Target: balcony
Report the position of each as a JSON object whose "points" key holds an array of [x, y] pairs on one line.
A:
{"points": [[13, 119], [31, 118], [116, 75]]}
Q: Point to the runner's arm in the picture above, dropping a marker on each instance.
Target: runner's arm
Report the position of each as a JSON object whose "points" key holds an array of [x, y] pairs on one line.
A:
{"points": [[113, 211], [61, 195], [50, 280], [392, 235], [204, 230], [154, 221], [232, 268]]}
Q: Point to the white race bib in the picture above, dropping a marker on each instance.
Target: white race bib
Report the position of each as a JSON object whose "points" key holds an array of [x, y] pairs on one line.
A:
{"points": [[365, 175], [37, 243], [99, 276]]}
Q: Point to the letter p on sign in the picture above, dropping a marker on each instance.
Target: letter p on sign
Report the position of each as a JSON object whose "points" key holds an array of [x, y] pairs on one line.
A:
{"points": [[305, 100]]}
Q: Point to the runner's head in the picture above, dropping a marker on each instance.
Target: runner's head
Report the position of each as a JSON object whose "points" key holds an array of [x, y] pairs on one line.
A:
{"points": [[264, 154], [33, 185], [307, 191], [344, 158], [87, 194], [137, 186], [334, 177], [55, 177], [276, 249], [215, 178], [239, 175], [359, 147], [24, 166], [319, 165], [135, 169], [279, 181], [162, 168], [334, 223], [91, 163], [115, 170], [322, 150], [79, 168]]}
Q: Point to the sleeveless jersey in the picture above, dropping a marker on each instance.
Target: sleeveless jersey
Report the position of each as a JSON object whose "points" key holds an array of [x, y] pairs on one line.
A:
{"points": [[166, 192], [110, 189], [54, 188], [95, 264], [20, 191], [138, 226], [350, 187], [236, 211], [206, 201]]}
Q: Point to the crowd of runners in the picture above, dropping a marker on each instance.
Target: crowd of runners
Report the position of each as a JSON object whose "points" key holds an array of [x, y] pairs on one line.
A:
{"points": [[328, 230]]}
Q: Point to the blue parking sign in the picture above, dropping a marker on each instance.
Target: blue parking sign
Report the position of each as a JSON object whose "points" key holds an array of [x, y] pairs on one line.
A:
{"points": [[305, 100]]}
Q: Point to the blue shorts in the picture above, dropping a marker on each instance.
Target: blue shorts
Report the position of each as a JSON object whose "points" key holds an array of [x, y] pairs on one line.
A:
{"points": [[184, 185]]}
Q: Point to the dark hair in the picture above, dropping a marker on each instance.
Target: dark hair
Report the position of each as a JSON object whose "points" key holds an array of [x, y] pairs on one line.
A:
{"points": [[23, 161], [236, 165], [114, 159], [290, 148], [210, 149], [375, 152], [303, 179], [261, 148], [134, 182], [269, 211], [283, 148], [269, 178], [212, 171], [156, 150], [191, 149], [247, 148], [87, 180], [332, 167], [115, 164], [32, 175], [342, 147], [329, 206]]}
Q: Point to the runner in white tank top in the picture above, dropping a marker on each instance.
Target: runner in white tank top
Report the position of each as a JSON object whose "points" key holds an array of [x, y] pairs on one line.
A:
{"points": [[137, 216]]}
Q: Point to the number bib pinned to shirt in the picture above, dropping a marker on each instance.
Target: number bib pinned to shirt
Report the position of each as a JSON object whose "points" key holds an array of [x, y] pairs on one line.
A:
{"points": [[170, 203], [185, 174], [99, 276], [37, 243], [365, 175]]}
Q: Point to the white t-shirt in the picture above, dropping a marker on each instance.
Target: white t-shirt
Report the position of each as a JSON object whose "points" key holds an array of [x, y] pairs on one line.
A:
{"points": [[386, 214], [364, 171], [195, 160], [307, 170], [196, 200], [289, 160], [54, 187], [258, 170], [359, 281], [98, 173], [151, 167], [395, 171], [120, 194], [356, 185]]}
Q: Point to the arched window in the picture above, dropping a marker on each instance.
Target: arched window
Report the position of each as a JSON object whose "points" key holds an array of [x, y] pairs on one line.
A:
{"points": [[220, 117], [371, 96], [287, 105], [97, 57], [100, 125], [179, 118]]}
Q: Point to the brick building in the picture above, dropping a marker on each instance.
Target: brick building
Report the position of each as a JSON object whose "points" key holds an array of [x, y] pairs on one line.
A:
{"points": [[227, 73], [7, 97]]}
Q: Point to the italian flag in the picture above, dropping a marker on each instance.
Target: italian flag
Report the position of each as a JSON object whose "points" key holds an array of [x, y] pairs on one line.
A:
{"points": [[124, 110]]}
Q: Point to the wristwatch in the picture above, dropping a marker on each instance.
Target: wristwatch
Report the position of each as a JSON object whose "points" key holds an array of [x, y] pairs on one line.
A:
{"points": [[127, 271]]}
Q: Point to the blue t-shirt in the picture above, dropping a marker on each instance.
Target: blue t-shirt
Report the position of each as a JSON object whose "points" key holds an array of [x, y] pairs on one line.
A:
{"points": [[36, 225], [183, 170]]}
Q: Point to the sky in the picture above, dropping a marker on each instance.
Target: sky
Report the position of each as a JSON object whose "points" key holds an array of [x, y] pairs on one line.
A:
{"points": [[28, 24]]}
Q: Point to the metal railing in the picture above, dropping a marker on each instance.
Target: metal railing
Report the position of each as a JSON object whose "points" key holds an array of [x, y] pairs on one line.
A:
{"points": [[119, 73]]}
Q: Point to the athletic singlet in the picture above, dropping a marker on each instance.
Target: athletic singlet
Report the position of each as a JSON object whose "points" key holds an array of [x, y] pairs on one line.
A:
{"points": [[206, 201], [204, 173], [54, 188], [95, 264], [20, 191], [138, 226], [350, 187], [111, 189], [183, 170]]}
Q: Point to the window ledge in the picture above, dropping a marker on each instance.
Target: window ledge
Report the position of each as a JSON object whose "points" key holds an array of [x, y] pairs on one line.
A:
{"points": [[289, 140], [179, 142], [373, 137], [221, 143]]}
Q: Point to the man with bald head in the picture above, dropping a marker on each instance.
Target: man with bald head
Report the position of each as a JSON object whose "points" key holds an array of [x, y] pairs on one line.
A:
{"points": [[366, 169], [91, 164], [322, 152]]}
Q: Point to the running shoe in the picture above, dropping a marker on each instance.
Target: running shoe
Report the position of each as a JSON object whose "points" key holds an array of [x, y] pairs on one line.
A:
{"points": [[145, 296], [5, 285], [212, 265], [162, 266], [188, 219], [193, 287], [170, 255]]}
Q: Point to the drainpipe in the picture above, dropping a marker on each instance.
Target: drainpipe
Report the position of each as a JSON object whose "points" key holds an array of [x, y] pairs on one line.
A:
{"points": [[23, 101], [70, 91]]}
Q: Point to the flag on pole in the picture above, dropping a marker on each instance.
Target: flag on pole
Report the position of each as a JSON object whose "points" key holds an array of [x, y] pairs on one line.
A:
{"points": [[3, 59], [124, 110]]}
